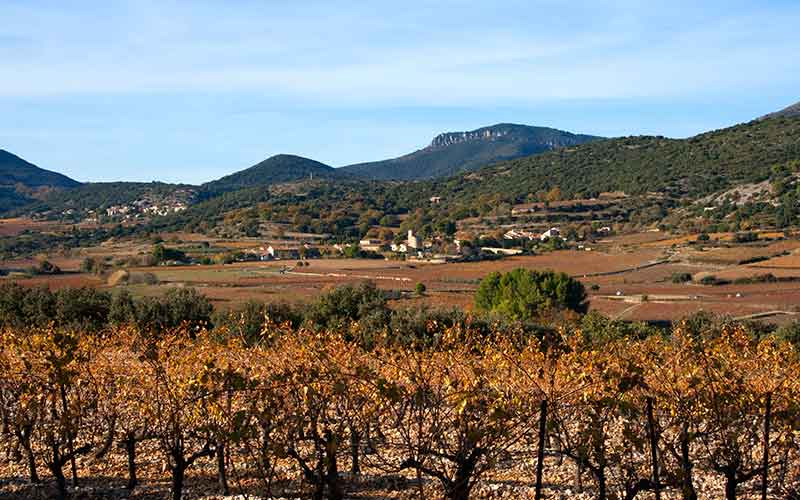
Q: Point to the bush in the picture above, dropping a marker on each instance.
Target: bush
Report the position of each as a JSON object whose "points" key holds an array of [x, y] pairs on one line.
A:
{"points": [[597, 329], [69, 307], [349, 303], [681, 277], [746, 237], [249, 320], [163, 254], [82, 307], [143, 278], [177, 307], [527, 295], [45, 267], [712, 280], [88, 265], [354, 252], [789, 332], [420, 288], [426, 326], [759, 278]]}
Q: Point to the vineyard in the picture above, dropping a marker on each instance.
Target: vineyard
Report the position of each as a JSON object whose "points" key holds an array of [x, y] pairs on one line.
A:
{"points": [[706, 411]]}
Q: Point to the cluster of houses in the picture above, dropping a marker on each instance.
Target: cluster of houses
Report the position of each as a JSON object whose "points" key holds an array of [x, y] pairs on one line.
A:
{"points": [[146, 207], [149, 205], [411, 245], [289, 250], [285, 252]]}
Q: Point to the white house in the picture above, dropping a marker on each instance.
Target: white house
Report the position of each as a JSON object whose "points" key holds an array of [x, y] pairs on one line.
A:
{"points": [[553, 232], [370, 245], [519, 234]]}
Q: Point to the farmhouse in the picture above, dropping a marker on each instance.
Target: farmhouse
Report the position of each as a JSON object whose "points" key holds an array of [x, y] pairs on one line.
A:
{"points": [[371, 245], [520, 234], [283, 252], [553, 232]]}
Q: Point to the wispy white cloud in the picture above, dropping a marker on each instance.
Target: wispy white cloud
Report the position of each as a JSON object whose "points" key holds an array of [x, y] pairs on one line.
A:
{"points": [[349, 54]]}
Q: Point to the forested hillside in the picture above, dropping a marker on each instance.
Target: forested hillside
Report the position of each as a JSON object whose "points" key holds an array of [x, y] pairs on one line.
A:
{"points": [[656, 173], [21, 181], [692, 167], [273, 170]]}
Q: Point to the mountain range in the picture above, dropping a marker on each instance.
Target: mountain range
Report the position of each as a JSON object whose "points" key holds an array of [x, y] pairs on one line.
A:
{"points": [[24, 184], [506, 163], [454, 152]]}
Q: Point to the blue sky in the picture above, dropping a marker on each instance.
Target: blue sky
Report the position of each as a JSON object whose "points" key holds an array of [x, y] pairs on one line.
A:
{"points": [[192, 90]]}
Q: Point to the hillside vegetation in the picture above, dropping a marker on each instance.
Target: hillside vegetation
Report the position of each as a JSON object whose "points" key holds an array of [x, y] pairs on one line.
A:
{"points": [[660, 176], [21, 181], [665, 172], [273, 170], [693, 167], [788, 112]]}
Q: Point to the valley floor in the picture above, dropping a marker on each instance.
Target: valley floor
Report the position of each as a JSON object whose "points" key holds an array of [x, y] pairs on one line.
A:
{"points": [[627, 277]]}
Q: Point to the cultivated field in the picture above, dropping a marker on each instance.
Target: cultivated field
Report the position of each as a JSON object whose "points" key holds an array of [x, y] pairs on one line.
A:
{"points": [[627, 277]]}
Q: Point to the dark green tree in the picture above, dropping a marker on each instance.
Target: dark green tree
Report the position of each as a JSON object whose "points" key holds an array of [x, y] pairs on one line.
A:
{"points": [[526, 295]]}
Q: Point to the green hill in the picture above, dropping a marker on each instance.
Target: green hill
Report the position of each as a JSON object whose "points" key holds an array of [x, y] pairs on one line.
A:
{"points": [[454, 152], [273, 170], [693, 167], [21, 181]]}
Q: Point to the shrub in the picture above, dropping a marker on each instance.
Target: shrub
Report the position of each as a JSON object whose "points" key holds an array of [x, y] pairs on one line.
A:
{"points": [[88, 265], [69, 307], [681, 277], [164, 254], [712, 281], [349, 303], [746, 237], [249, 320], [420, 288], [143, 279], [177, 307], [45, 267], [759, 278]]}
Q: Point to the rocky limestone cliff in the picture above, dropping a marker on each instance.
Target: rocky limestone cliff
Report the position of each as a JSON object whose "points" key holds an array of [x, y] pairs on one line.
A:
{"points": [[450, 138]]}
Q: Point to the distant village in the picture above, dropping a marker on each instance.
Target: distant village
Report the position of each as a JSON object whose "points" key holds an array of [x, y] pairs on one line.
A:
{"points": [[434, 250], [148, 206]]}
